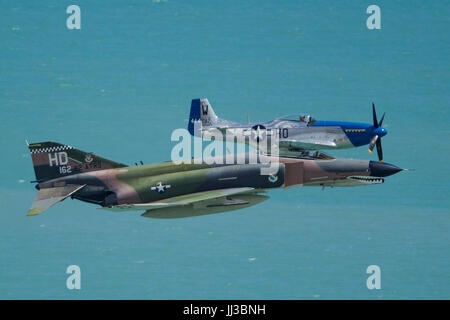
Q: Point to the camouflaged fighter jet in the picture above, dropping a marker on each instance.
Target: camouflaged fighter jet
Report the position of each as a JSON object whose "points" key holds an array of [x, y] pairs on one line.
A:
{"points": [[169, 190], [296, 133]]}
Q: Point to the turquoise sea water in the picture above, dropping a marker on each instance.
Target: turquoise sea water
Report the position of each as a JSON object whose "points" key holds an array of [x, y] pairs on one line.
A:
{"points": [[121, 84]]}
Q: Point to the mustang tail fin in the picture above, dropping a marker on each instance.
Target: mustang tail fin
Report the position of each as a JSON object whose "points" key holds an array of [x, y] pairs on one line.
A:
{"points": [[53, 160], [201, 110]]}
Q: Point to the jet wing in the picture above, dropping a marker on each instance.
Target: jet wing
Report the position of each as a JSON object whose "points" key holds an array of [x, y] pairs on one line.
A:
{"points": [[194, 204], [49, 196]]}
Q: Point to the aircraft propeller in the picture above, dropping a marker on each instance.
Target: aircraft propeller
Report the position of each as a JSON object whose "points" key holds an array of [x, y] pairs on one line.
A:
{"points": [[376, 140]]}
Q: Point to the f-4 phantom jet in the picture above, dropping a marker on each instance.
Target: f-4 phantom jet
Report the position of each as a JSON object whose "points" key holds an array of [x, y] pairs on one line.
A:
{"points": [[296, 133], [171, 190]]}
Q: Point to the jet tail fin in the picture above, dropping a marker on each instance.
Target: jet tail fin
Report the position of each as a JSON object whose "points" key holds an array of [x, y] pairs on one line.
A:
{"points": [[49, 196], [201, 110], [53, 160]]}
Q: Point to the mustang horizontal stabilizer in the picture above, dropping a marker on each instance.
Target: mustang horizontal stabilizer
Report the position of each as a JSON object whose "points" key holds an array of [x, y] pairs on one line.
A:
{"points": [[49, 196], [199, 203]]}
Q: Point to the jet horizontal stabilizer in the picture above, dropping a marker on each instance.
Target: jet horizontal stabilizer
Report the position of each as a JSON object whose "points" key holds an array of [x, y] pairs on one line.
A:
{"points": [[47, 197]]}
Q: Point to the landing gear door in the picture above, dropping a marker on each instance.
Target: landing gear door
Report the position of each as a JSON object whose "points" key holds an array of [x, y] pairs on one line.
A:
{"points": [[293, 174]]}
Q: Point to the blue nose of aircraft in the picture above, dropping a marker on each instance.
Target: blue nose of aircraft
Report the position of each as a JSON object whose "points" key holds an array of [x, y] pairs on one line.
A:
{"points": [[380, 131]]}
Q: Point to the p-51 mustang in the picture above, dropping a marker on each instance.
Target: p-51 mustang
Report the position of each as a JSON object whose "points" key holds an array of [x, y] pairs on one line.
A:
{"points": [[169, 190], [296, 133]]}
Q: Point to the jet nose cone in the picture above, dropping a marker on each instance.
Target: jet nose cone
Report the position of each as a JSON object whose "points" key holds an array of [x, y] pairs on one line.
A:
{"points": [[381, 169]]}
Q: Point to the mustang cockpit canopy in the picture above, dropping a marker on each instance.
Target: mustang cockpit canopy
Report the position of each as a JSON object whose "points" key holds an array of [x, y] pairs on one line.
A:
{"points": [[305, 118]]}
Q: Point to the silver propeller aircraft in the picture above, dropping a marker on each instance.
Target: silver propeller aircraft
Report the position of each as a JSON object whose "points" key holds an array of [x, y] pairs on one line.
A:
{"points": [[296, 133]]}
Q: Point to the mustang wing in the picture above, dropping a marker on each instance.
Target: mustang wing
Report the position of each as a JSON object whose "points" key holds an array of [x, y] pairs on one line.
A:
{"points": [[310, 144]]}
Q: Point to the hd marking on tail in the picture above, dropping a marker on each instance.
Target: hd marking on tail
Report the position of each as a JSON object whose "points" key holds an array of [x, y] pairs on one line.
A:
{"points": [[56, 157], [53, 160]]}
